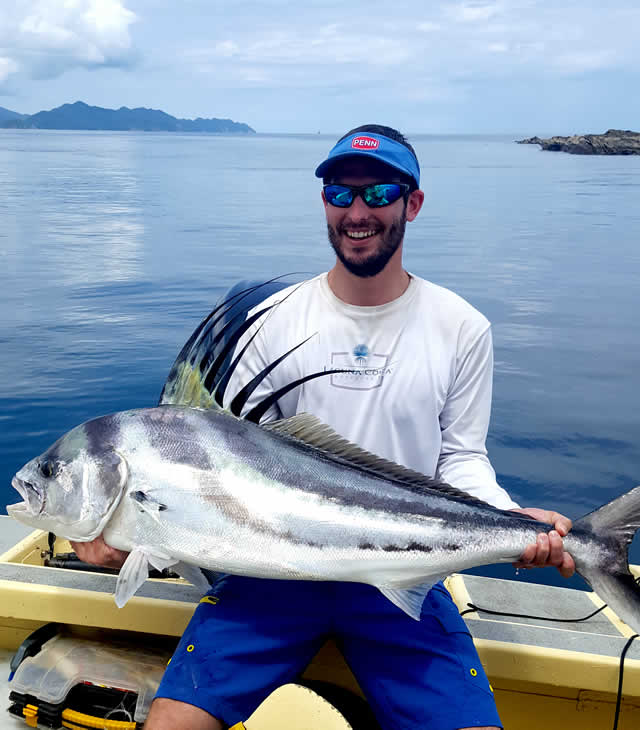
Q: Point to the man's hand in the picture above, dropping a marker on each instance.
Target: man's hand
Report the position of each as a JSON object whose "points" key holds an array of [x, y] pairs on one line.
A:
{"points": [[97, 552], [548, 548]]}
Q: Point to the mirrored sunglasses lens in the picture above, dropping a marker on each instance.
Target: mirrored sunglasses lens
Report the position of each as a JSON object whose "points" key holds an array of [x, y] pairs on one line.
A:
{"points": [[376, 196], [338, 195]]}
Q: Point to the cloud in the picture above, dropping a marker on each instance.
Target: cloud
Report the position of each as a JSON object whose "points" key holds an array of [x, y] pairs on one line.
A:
{"points": [[585, 61], [44, 38], [428, 27], [474, 12], [448, 40], [292, 56], [7, 67], [328, 45]]}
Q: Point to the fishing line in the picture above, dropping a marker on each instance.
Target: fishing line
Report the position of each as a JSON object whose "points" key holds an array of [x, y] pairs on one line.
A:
{"points": [[471, 607], [621, 672]]}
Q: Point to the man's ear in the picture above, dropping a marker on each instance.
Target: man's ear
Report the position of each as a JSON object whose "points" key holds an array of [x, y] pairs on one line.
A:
{"points": [[414, 203]]}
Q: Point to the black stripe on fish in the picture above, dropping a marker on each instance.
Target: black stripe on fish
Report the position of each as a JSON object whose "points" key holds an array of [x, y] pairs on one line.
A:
{"points": [[411, 547], [183, 433], [101, 433]]}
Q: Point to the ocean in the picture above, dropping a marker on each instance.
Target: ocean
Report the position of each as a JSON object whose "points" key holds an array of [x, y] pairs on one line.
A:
{"points": [[113, 246]]}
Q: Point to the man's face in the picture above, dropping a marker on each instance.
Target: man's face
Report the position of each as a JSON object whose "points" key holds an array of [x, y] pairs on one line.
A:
{"points": [[364, 239]]}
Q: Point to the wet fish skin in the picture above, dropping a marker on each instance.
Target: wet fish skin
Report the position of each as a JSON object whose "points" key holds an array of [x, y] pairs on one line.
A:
{"points": [[177, 485]]}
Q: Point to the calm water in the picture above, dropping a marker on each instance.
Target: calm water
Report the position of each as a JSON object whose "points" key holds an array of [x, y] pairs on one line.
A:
{"points": [[114, 245]]}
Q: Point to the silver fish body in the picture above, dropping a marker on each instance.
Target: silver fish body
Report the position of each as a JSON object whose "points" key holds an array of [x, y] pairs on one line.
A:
{"points": [[293, 501]]}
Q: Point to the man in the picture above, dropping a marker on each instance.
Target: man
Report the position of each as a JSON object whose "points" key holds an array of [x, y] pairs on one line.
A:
{"points": [[418, 392]]}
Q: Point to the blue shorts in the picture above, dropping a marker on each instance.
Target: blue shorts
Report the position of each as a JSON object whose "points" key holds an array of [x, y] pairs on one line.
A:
{"points": [[248, 636]]}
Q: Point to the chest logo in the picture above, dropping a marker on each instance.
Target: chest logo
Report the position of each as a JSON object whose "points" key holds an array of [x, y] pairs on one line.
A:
{"points": [[365, 370], [360, 353]]}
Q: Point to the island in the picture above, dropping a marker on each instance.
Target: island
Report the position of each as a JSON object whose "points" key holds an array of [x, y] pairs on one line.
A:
{"points": [[81, 116], [7, 114], [612, 142]]}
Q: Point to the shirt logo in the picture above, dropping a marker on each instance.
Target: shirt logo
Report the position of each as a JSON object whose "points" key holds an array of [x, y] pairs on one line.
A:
{"points": [[368, 371], [365, 143], [360, 353]]}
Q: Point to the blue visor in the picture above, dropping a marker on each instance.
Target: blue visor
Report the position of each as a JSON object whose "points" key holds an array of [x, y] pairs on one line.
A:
{"points": [[376, 147]]}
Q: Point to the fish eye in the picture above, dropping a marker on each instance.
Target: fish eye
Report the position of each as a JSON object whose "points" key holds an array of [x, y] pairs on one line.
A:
{"points": [[46, 469]]}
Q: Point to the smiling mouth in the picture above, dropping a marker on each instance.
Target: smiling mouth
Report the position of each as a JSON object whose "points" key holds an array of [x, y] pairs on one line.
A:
{"points": [[360, 235]]}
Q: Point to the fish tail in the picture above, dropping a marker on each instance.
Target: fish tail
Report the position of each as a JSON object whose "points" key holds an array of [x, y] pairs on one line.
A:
{"points": [[616, 524]]}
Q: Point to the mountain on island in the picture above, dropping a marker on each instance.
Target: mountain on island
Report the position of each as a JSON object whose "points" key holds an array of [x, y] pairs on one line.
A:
{"points": [[81, 116], [7, 114]]}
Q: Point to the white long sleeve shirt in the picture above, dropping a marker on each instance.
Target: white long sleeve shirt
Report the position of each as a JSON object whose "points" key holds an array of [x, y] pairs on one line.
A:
{"points": [[418, 384]]}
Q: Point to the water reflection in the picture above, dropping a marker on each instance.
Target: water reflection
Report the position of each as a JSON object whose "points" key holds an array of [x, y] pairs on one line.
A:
{"points": [[85, 218]]}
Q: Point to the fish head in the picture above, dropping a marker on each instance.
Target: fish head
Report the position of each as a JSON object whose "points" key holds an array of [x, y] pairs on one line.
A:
{"points": [[72, 488]]}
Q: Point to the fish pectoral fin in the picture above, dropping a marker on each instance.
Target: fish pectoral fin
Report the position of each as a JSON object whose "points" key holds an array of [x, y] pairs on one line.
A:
{"points": [[146, 503], [193, 575], [410, 600], [132, 575]]}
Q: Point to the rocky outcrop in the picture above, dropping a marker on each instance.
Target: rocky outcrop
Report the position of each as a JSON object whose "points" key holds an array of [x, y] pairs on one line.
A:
{"points": [[613, 142]]}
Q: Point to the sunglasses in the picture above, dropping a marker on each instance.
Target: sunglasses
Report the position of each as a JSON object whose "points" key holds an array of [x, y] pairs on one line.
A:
{"points": [[375, 196]]}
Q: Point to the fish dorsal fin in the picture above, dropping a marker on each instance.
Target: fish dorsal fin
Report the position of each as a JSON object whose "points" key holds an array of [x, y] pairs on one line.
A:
{"points": [[201, 373], [310, 430], [198, 367]]}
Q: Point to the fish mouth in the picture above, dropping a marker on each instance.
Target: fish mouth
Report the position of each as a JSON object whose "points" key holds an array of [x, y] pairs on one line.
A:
{"points": [[34, 499]]}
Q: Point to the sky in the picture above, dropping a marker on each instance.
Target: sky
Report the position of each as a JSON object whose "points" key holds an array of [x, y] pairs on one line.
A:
{"points": [[449, 66]]}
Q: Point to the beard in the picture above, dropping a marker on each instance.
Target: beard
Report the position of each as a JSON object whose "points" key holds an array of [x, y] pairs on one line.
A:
{"points": [[375, 262]]}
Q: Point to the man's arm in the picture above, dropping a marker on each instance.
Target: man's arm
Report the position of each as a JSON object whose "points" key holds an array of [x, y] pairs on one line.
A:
{"points": [[464, 422], [463, 460]]}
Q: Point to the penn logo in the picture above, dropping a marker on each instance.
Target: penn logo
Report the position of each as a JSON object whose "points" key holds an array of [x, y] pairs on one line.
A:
{"points": [[365, 143]]}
